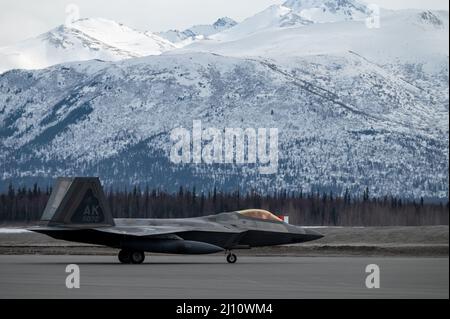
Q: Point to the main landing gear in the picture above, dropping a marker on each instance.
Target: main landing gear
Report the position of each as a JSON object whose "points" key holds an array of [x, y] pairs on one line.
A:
{"points": [[138, 257], [131, 257], [231, 258]]}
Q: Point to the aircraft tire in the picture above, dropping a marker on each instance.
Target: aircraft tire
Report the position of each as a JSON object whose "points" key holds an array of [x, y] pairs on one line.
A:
{"points": [[125, 257], [231, 258], [137, 257]]}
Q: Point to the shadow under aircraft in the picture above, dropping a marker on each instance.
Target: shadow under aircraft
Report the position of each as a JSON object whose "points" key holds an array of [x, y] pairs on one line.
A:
{"points": [[78, 211]]}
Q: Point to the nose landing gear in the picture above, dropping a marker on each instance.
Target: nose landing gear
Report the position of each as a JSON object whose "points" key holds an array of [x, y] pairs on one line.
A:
{"points": [[231, 258]]}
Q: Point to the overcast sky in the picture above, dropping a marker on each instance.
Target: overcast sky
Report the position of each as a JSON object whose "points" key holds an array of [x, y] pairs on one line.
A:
{"points": [[21, 19]]}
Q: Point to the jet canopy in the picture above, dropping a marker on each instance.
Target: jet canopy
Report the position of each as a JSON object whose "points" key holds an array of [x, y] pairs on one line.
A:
{"points": [[259, 214]]}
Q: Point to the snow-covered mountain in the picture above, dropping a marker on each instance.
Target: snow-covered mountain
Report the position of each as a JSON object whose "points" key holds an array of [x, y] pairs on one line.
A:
{"points": [[354, 128], [407, 37], [321, 11], [355, 108], [295, 13], [411, 45], [82, 40], [198, 31], [273, 17]]}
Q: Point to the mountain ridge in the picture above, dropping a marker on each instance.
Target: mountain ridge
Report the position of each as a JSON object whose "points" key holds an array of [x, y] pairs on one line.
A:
{"points": [[103, 124], [193, 32], [355, 108], [84, 39]]}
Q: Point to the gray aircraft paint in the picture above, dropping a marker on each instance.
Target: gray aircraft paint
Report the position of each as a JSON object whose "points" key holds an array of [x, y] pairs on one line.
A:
{"points": [[78, 211]]}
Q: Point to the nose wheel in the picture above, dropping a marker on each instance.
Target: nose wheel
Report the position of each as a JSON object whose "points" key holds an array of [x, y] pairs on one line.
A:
{"points": [[231, 258], [131, 257]]}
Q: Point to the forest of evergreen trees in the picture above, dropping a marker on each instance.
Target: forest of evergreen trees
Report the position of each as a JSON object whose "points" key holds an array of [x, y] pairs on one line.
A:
{"points": [[25, 205]]}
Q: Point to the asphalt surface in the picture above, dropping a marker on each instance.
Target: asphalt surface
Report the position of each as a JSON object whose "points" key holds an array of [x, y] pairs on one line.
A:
{"points": [[36, 276]]}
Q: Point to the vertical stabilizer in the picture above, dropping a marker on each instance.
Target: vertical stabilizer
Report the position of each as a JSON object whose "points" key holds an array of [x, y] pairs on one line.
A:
{"points": [[78, 201]]}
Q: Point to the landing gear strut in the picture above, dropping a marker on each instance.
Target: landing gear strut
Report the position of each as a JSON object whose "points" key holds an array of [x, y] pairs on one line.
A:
{"points": [[131, 257], [231, 258]]}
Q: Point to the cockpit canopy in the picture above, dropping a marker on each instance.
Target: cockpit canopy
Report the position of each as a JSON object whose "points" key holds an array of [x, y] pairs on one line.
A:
{"points": [[259, 214]]}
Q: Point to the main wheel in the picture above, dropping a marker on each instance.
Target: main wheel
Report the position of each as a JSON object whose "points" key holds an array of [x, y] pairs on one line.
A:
{"points": [[137, 257], [231, 258], [125, 257]]}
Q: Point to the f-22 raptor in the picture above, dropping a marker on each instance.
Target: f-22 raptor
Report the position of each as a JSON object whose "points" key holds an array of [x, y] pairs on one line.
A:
{"points": [[78, 211]]}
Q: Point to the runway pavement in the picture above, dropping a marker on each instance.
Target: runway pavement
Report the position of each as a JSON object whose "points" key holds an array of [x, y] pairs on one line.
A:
{"points": [[36, 276]]}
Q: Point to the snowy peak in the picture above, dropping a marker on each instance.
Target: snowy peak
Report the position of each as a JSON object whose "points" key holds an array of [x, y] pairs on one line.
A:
{"points": [[430, 18], [298, 5], [275, 16], [98, 26], [84, 39], [224, 22], [295, 13], [198, 31], [409, 37], [292, 19], [321, 11], [118, 36], [206, 30]]}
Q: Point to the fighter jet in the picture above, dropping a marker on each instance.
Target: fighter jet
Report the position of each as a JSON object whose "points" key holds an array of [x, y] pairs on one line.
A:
{"points": [[77, 211]]}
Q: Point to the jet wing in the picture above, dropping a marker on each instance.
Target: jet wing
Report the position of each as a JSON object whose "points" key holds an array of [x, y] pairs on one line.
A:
{"points": [[143, 231]]}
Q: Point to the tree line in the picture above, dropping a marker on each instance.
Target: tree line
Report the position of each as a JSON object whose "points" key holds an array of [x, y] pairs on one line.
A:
{"points": [[26, 205]]}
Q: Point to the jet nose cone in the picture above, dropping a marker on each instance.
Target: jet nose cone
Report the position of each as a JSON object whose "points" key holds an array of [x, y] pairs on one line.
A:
{"points": [[313, 235]]}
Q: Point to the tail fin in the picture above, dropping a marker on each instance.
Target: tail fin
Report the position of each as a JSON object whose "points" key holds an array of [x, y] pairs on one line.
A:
{"points": [[78, 201]]}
